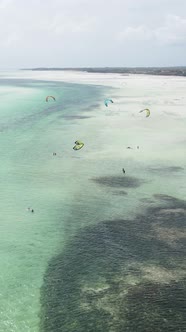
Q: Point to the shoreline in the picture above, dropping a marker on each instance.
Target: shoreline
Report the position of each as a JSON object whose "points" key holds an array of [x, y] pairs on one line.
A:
{"points": [[113, 80], [155, 71]]}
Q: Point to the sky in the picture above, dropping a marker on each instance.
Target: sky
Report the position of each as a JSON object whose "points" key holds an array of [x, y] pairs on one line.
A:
{"points": [[92, 33]]}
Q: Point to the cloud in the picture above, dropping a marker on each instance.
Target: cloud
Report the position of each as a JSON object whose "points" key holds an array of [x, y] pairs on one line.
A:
{"points": [[90, 33], [5, 3], [139, 33], [172, 32], [12, 39], [60, 24]]}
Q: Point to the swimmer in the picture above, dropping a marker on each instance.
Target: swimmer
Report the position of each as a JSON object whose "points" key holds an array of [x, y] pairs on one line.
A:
{"points": [[123, 170], [30, 210]]}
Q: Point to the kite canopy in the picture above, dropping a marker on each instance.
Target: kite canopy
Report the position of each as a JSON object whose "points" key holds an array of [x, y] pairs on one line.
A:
{"points": [[50, 97], [147, 112], [107, 101], [78, 145]]}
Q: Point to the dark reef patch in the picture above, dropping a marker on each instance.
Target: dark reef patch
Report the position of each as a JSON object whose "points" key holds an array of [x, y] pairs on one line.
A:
{"points": [[170, 199], [155, 308], [166, 170], [119, 181], [75, 117], [146, 200], [120, 193], [120, 275]]}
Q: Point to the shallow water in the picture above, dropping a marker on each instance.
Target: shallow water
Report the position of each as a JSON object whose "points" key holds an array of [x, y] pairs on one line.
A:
{"points": [[98, 239]]}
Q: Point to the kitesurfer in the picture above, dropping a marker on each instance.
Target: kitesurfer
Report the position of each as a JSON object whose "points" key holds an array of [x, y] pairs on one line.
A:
{"points": [[147, 112], [107, 101], [47, 98], [31, 210], [78, 145]]}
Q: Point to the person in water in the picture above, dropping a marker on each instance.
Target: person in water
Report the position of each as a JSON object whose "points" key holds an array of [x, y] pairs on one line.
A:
{"points": [[128, 147], [31, 210], [54, 153], [123, 170]]}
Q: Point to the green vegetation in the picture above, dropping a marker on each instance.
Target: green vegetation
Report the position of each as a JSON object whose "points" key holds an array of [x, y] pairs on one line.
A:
{"points": [[168, 71]]}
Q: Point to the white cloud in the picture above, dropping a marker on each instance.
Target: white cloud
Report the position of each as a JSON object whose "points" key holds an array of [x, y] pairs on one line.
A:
{"points": [[5, 3], [172, 32], [61, 24], [139, 33], [90, 32], [12, 39]]}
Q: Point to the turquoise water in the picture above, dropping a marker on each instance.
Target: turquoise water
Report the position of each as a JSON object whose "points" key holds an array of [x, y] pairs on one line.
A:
{"points": [[97, 240], [31, 131]]}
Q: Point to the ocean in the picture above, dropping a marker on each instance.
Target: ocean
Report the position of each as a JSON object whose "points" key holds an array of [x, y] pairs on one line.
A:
{"points": [[103, 250]]}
